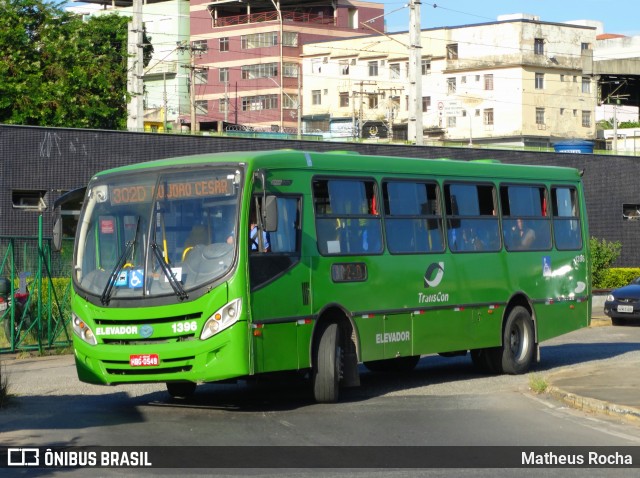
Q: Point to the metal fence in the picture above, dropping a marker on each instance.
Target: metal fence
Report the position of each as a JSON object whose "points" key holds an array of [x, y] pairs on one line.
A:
{"points": [[35, 310]]}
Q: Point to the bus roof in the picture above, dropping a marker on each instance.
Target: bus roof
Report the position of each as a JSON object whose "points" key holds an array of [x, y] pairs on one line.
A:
{"points": [[352, 162]]}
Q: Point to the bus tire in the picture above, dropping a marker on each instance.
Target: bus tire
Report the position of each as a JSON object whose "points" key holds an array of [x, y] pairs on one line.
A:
{"points": [[182, 390], [483, 360], [327, 366], [399, 364], [518, 343]]}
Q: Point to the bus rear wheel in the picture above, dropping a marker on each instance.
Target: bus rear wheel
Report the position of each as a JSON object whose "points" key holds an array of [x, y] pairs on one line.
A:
{"points": [[327, 365], [518, 343], [181, 390]]}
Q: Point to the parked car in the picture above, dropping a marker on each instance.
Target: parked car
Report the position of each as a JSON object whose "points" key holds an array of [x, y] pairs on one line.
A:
{"points": [[623, 304]]}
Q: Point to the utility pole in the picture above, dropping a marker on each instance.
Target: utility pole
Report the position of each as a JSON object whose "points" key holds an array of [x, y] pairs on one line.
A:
{"points": [[414, 128], [135, 70], [193, 50]]}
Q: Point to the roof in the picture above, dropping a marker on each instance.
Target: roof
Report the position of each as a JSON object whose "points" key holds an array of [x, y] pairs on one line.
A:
{"points": [[353, 162]]}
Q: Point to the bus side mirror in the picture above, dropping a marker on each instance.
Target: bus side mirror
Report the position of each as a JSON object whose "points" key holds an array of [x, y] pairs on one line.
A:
{"points": [[57, 234], [270, 214]]}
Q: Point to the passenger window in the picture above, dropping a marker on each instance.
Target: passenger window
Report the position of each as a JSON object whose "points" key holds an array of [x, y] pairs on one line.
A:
{"points": [[525, 224], [413, 219], [566, 221], [347, 219], [472, 223]]}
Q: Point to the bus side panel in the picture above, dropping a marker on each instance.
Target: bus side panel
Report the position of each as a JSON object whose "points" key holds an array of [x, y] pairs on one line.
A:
{"points": [[370, 331], [276, 347], [567, 306]]}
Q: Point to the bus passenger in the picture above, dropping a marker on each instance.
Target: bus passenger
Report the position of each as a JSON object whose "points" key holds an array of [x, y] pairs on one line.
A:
{"points": [[524, 235]]}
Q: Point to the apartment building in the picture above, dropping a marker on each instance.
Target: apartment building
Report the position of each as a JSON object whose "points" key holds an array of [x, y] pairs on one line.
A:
{"points": [[515, 81], [246, 56]]}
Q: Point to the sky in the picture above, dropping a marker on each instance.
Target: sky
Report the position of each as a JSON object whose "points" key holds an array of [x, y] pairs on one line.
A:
{"points": [[619, 16]]}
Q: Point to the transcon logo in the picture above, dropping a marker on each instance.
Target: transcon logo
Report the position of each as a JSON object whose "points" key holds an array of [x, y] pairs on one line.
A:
{"points": [[433, 275]]}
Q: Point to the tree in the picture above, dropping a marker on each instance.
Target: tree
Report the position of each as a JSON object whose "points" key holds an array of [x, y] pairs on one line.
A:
{"points": [[56, 70]]}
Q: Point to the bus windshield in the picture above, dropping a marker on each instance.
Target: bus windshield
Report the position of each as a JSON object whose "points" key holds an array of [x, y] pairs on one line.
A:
{"points": [[157, 233]]}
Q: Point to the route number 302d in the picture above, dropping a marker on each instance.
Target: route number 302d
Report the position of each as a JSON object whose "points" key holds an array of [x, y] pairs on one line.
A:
{"points": [[180, 327]]}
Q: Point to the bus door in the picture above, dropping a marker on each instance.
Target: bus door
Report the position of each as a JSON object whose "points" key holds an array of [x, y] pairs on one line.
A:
{"points": [[279, 285]]}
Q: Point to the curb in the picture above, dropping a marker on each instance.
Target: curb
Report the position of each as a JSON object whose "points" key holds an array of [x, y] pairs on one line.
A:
{"points": [[594, 405]]}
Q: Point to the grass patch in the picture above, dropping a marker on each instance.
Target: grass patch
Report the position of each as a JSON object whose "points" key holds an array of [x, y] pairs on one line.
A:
{"points": [[537, 383]]}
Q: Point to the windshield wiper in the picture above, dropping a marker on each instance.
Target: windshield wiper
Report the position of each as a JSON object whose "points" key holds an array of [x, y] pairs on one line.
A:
{"points": [[122, 260], [177, 287]]}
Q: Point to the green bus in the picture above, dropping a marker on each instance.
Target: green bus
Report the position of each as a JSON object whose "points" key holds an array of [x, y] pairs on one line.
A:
{"points": [[226, 266]]}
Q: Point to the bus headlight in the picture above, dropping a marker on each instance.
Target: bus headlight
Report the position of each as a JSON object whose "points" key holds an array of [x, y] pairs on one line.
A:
{"points": [[223, 318], [82, 330]]}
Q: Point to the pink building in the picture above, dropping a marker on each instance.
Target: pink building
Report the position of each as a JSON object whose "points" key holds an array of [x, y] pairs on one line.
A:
{"points": [[246, 56]]}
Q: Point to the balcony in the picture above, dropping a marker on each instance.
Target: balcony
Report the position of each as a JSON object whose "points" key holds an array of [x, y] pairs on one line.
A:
{"points": [[272, 16]]}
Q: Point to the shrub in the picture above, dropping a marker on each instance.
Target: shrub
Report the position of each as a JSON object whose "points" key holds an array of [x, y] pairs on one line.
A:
{"points": [[618, 276], [603, 254]]}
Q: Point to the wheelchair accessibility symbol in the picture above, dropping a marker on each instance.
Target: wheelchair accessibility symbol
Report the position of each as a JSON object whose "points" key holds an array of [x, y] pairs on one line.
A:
{"points": [[136, 279]]}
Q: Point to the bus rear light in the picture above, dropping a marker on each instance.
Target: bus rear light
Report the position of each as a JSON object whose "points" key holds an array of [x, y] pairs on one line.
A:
{"points": [[222, 319], [82, 330]]}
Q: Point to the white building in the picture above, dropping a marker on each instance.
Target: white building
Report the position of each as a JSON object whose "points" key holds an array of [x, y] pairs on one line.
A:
{"points": [[517, 81], [166, 87]]}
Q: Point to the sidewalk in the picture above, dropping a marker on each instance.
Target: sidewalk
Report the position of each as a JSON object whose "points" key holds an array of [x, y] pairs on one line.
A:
{"points": [[612, 390]]}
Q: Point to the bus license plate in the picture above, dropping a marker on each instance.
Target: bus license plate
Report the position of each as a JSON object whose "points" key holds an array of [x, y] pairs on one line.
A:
{"points": [[625, 308], [144, 360]]}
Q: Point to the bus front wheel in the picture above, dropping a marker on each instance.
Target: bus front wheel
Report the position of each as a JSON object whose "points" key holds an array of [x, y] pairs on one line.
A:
{"points": [[181, 389], [327, 366], [518, 343]]}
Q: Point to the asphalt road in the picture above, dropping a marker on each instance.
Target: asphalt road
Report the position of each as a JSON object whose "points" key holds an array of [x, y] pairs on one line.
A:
{"points": [[444, 402]]}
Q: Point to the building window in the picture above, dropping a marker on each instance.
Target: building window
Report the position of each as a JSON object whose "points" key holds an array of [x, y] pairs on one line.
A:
{"points": [[224, 44], [263, 70], [373, 68], [586, 119], [223, 105], [488, 82], [202, 107], [585, 46], [290, 70], [316, 97], [540, 116], [372, 100], [394, 71], [452, 51], [261, 102], [316, 65], [425, 67], [561, 78], [539, 81], [290, 102], [451, 86], [34, 199], [258, 40], [538, 46], [344, 100], [201, 76], [290, 39], [488, 117], [223, 75], [426, 103], [344, 67], [586, 84], [200, 46]]}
